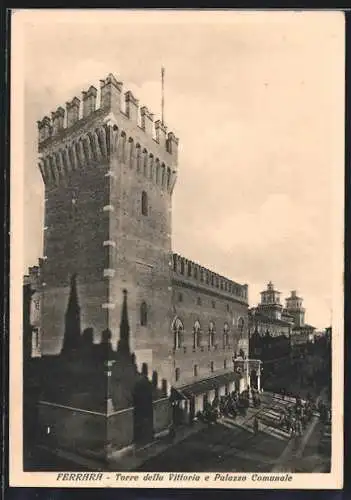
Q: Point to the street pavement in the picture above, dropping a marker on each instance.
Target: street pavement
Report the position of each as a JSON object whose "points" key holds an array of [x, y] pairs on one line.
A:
{"points": [[230, 445]]}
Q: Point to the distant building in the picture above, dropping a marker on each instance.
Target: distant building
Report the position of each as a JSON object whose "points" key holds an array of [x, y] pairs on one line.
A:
{"points": [[32, 311], [328, 334], [270, 327], [302, 333], [274, 331], [295, 309]]}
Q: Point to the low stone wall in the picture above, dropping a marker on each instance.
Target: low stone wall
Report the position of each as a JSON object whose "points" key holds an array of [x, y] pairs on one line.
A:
{"points": [[120, 429], [93, 433], [71, 428], [162, 415]]}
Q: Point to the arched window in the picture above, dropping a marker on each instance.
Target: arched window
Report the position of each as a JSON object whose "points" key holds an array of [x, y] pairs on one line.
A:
{"points": [[157, 177], [180, 297], [143, 314], [145, 158], [199, 301], [211, 334], [195, 273], [182, 266], [174, 262], [241, 324], [189, 269], [225, 335], [177, 374], [138, 157], [196, 370], [144, 203], [163, 175], [177, 329], [196, 334], [122, 147], [131, 152], [213, 304], [168, 177], [151, 167], [212, 366]]}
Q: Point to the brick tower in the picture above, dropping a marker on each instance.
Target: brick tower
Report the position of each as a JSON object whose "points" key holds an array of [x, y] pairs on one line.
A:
{"points": [[109, 173], [295, 308]]}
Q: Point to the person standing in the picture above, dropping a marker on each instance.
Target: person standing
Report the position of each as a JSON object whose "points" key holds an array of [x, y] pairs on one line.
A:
{"points": [[256, 426]]}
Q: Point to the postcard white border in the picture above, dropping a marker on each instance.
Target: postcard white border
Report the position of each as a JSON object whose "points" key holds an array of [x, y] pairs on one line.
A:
{"points": [[332, 480]]}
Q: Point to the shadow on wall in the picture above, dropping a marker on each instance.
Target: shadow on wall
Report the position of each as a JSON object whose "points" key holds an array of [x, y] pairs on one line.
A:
{"points": [[95, 377]]}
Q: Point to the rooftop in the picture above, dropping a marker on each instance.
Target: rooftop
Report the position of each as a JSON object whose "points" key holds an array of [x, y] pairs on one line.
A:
{"points": [[192, 272], [267, 319], [304, 327]]}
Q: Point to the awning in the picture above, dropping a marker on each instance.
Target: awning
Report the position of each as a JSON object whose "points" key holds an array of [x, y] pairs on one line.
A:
{"points": [[208, 384], [177, 395]]}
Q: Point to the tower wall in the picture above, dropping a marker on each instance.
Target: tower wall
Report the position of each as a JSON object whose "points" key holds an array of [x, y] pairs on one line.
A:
{"points": [[142, 241], [73, 243], [95, 169]]}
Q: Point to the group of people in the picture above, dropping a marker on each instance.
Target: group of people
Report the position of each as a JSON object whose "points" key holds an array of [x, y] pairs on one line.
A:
{"points": [[296, 417], [230, 405], [324, 412]]}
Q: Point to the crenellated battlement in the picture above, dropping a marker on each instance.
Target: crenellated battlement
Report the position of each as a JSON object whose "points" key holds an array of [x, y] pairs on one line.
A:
{"points": [[77, 111], [188, 270], [85, 134]]}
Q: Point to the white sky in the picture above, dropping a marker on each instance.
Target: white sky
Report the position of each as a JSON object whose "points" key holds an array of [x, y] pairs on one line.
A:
{"points": [[256, 100]]}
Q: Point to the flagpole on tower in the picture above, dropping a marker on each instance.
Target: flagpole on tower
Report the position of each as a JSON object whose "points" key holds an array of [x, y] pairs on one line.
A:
{"points": [[163, 94]]}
